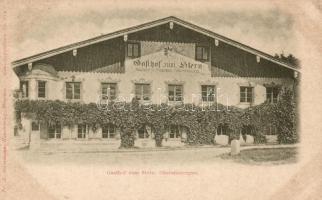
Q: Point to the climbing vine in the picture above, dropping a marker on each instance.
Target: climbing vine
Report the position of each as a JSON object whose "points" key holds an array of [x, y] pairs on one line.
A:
{"points": [[200, 122]]}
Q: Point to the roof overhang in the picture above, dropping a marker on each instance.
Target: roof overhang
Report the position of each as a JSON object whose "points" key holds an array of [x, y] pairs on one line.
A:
{"points": [[147, 26]]}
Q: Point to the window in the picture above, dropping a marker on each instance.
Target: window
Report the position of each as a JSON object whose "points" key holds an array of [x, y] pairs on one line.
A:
{"points": [[15, 131], [174, 131], [81, 130], [143, 132], [222, 129], [109, 91], [175, 92], [108, 131], [54, 131], [34, 126], [246, 94], [41, 89], [202, 53], [272, 94], [247, 130], [24, 88], [133, 50], [208, 92], [271, 130], [73, 90], [143, 92]]}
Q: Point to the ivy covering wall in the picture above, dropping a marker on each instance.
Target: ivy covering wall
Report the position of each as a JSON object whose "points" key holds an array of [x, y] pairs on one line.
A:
{"points": [[200, 122]]}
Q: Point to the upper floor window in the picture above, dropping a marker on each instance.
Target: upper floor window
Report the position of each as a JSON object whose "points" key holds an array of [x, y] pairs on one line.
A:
{"points": [[272, 94], [246, 94], [24, 88], [208, 93], [133, 49], [73, 90], [143, 92], [41, 89], [202, 53], [109, 91], [108, 131], [175, 92]]}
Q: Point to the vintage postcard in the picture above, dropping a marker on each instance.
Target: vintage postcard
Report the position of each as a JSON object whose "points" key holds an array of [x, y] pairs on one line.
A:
{"points": [[160, 100]]}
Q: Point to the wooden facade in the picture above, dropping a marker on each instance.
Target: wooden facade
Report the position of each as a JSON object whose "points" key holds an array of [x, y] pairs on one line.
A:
{"points": [[226, 60]]}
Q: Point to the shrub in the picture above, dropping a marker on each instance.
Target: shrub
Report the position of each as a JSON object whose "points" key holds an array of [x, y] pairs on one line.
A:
{"points": [[285, 117]]}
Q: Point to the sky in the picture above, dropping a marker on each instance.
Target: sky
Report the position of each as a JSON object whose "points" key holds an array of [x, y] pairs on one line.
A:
{"points": [[49, 25]]}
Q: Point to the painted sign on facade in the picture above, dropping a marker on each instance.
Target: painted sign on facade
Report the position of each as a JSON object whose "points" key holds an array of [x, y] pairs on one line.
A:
{"points": [[168, 61]]}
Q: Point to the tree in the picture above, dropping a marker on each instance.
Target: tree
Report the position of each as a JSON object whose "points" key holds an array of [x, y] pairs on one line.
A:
{"points": [[288, 59]]}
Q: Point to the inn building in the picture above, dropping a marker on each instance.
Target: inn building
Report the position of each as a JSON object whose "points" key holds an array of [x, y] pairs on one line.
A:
{"points": [[164, 61]]}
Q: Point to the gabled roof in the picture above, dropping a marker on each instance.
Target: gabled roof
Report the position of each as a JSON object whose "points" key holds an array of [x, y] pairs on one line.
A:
{"points": [[144, 26]]}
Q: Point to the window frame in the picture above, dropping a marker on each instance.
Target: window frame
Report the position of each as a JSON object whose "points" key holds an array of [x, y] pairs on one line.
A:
{"points": [[271, 130], [108, 133], [45, 89], [176, 134], [270, 95], [57, 131], [146, 134], [72, 83], [133, 44], [248, 90], [207, 93], [174, 99], [141, 94], [222, 129], [204, 49], [108, 91], [83, 132], [23, 94], [33, 126]]}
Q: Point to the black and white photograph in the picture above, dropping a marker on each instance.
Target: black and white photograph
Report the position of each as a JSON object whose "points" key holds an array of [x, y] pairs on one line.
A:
{"points": [[151, 100]]}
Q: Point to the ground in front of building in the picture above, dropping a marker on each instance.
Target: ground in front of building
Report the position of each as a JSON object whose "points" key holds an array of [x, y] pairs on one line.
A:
{"points": [[266, 154]]}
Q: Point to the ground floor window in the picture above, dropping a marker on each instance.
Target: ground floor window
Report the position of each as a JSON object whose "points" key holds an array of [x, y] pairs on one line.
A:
{"points": [[174, 131], [271, 130], [108, 131], [222, 129], [247, 130], [54, 131], [81, 131], [15, 131], [143, 132], [34, 126]]}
